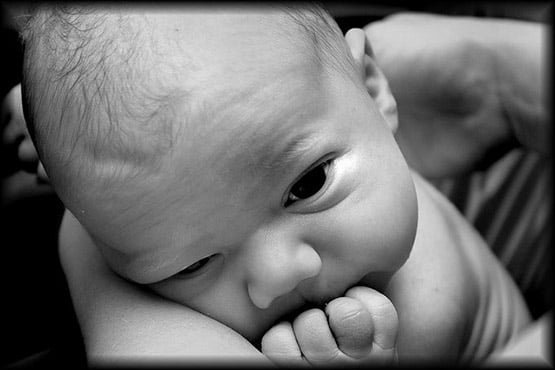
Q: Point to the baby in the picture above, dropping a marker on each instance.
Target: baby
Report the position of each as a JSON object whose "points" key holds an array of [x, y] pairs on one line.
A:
{"points": [[242, 163]]}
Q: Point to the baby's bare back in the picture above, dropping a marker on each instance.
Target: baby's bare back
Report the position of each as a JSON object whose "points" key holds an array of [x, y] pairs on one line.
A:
{"points": [[454, 299]]}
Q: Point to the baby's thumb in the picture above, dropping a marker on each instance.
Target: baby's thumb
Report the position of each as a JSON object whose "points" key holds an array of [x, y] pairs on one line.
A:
{"points": [[384, 316], [352, 327]]}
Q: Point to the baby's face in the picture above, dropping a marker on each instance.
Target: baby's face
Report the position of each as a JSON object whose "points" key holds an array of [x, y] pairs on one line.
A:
{"points": [[291, 191]]}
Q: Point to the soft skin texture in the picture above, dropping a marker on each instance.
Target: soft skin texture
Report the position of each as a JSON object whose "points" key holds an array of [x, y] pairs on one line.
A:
{"points": [[464, 85], [273, 260], [207, 198], [270, 259], [360, 327], [453, 299]]}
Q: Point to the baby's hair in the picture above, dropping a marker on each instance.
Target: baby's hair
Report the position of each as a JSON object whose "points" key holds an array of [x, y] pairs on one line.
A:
{"points": [[87, 87], [328, 44], [82, 84]]}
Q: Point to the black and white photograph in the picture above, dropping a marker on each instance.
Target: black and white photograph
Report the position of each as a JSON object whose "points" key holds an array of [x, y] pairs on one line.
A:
{"points": [[276, 184]]}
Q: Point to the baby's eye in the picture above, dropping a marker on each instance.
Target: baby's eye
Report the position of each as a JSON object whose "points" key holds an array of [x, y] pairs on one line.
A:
{"points": [[308, 185], [195, 267]]}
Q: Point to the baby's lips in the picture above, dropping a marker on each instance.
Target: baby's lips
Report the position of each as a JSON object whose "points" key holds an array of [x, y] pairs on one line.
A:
{"points": [[352, 326]]}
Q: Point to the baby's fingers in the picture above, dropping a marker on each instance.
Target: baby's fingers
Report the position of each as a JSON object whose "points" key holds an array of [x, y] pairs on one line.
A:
{"points": [[384, 318], [280, 346], [352, 326], [315, 338]]}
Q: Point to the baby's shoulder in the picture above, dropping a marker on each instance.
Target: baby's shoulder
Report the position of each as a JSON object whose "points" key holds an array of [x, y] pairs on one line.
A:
{"points": [[452, 289], [435, 291]]}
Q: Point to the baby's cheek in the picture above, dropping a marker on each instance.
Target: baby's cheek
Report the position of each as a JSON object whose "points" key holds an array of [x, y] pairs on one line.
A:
{"points": [[375, 232]]}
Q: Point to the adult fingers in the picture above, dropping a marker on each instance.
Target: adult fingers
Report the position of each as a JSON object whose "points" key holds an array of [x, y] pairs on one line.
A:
{"points": [[355, 39], [351, 324], [27, 151], [41, 174], [27, 154]]}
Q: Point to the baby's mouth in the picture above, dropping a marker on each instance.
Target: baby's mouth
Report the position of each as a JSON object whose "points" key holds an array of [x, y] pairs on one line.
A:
{"points": [[299, 303], [376, 281], [292, 315], [302, 304], [307, 303]]}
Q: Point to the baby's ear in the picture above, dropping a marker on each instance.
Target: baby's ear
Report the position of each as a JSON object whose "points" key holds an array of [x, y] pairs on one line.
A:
{"points": [[372, 76]]}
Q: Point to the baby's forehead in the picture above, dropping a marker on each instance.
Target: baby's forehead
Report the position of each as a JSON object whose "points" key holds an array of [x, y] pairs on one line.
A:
{"points": [[246, 121], [237, 68], [254, 75], [227, 45]]}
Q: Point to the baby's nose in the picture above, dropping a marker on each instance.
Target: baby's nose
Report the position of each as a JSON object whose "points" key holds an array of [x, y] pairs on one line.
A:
{"points": [[277, 270]]}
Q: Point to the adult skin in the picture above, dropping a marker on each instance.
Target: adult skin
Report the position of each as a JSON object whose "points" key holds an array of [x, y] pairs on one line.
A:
{"points": [[465, 87]]}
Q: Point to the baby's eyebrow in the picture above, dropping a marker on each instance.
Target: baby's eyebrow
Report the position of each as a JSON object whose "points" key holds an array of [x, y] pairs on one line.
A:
{"points": [[296, 148]]}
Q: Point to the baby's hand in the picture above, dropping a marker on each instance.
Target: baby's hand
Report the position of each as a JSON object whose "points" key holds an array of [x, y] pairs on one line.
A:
{"points": [[360, 327]]}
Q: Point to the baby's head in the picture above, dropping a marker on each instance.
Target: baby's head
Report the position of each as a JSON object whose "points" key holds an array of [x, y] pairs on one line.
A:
{"points": [[231, 159]]}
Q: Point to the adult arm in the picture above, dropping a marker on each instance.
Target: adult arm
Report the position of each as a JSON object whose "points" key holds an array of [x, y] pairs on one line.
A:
{"points": [[122, 323], [466, 87]]}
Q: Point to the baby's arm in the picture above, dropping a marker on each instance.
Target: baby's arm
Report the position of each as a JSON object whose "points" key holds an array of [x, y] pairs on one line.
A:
{"points": [[122, 323], [360, 327]]}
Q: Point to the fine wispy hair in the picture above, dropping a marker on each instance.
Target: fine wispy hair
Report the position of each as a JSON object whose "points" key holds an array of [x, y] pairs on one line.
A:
{"points": [[92, 96]]}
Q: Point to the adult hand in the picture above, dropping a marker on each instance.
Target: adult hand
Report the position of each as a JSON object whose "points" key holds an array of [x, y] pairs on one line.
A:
{"points": [[22, 174], [464, 86], [16, 141]]}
